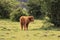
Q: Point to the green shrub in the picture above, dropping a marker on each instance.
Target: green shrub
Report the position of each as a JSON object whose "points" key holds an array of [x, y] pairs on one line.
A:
{"points": [[16, 14], [55, 13], [7, 6]]}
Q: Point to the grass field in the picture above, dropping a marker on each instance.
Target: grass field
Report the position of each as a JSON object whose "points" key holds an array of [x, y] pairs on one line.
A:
{"points": [[11, 31]]}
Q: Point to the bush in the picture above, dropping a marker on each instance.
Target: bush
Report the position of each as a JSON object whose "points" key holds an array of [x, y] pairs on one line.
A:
{"points": [[7, 6], [34, 8], [16, 14], [55, 13]]}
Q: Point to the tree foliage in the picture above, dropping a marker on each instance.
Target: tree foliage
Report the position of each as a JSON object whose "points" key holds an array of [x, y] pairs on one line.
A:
{"points": [[34, 8], [49, 8], [7, 6], [55, 12], [16, 14]]}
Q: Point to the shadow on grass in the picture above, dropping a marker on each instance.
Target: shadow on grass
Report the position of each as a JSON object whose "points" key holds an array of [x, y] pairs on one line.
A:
{"points": [[48, 28]]}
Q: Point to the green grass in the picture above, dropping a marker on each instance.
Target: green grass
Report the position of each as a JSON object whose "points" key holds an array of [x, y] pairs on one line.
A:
{"points": [[38, 30]]}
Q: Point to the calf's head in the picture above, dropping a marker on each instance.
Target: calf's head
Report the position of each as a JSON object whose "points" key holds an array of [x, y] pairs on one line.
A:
{"points": [[31, 18]]}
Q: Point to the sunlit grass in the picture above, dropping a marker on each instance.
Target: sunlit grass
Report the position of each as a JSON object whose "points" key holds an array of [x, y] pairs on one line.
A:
{"points": [[11, 31]]}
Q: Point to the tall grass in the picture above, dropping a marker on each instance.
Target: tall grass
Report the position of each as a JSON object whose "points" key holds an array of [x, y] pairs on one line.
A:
{"points": [[38, 30]]}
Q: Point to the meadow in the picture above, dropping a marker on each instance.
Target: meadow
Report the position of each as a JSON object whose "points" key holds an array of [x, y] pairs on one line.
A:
{"points": [[38, 30]]}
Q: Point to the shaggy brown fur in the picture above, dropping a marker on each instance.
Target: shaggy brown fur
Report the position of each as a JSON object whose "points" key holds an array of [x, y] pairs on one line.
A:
{"points": [[25, 20]]}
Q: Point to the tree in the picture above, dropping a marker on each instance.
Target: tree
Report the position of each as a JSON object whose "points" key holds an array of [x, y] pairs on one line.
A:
{"points": [[16, 14], [34, 8], [7, 6], [55, 10]]}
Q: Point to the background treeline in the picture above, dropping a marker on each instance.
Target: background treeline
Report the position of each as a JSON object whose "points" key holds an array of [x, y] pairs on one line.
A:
{"points": [[40, 9]]}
